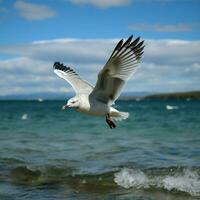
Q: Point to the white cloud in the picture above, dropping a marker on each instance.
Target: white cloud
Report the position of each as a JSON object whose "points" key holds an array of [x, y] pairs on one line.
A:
{"points": [[167, 65], [116, 3], [172, 52], [32, 11], [79, 51], [164, 27], [25, 75], [102, 3], [65, 50]]}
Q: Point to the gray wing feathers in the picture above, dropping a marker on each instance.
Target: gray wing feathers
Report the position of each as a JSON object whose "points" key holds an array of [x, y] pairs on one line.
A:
{"points": [[118, 69], [125, 58], [68, 74], [107, 88]]}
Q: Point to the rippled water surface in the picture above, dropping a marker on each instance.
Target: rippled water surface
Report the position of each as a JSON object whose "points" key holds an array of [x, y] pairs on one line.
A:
{"points": [[47, 153]]}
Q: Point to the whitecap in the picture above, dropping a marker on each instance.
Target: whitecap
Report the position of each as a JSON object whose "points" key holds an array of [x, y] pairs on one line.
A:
{"points": [[188, 99], [131, 178], [40, 100], [24, 117], [187, 181], [169, 107], [138, 99]]}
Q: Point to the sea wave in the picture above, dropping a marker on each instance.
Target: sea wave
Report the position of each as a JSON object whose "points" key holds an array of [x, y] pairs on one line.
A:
{"points": [[184, 180], [173, 179], [40, 175]]}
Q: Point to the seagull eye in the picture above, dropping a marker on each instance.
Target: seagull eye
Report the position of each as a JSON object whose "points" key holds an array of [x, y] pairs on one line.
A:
{"points": [[73, 101]]}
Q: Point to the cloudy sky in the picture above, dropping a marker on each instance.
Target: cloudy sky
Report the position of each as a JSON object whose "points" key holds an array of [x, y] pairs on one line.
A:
{"points": [[82, 34]]}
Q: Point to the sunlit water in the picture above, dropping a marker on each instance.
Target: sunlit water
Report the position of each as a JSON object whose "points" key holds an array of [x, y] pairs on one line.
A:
{"points": [[47, 153]]}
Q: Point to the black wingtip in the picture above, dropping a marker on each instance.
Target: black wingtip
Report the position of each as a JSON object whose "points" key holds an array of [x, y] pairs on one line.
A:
{"points": [[62, 67], [56, 64], [119, 44], [130, 38], [134, 42], [128, 41]]}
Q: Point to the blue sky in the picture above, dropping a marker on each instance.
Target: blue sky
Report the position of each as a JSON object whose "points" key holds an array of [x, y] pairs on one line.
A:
{"points": [[35, 33]]}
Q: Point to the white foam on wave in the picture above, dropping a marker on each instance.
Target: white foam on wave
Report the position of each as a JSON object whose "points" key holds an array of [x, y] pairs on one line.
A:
{"points": [[24, 116], [40, 100], [169, 107], [187, 181], [138, 99], [188, 99], [131, 178]]}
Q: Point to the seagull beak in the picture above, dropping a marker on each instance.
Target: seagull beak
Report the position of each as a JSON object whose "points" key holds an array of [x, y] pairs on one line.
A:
{"points": [[65, 107]]}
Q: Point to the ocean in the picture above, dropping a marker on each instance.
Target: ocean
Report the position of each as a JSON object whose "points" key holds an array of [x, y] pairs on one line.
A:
{"points": [[47, 153]]}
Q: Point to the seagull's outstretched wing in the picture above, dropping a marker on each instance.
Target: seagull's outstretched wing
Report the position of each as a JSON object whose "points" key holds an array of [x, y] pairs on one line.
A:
{"points": [[117, 70], [68, 74]]}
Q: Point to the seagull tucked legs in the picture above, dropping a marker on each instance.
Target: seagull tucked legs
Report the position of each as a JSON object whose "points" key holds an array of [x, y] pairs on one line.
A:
{"points": [[110, 122]]}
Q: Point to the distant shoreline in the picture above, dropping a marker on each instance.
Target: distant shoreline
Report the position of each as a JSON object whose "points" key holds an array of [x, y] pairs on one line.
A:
{"points": [[176, 95], [165, 96], [127, 96]]}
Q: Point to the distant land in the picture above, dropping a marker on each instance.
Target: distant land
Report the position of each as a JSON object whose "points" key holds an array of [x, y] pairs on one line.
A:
{"points": [[176, 95], [61, 96], [124, 96]]}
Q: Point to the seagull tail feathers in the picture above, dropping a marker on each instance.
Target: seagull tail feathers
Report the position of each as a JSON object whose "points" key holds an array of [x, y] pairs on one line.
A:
{"points": [[119, 116]]}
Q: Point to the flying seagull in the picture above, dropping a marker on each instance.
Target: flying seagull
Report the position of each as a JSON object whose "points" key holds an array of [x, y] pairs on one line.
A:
{"points": [[98, 100]]}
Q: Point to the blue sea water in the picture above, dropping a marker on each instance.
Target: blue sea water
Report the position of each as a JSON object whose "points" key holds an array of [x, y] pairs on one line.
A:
{"points": [[48, 153]]}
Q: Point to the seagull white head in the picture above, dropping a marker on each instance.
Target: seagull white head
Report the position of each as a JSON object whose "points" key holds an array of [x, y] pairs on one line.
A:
{"points": [[72, 103]]}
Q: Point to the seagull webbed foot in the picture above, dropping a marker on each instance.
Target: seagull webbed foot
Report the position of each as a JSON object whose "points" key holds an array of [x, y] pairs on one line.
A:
{"points": [[110, 122]]}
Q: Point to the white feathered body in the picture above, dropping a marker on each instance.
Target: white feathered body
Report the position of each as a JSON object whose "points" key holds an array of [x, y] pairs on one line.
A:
{"points": [[92, 106]]}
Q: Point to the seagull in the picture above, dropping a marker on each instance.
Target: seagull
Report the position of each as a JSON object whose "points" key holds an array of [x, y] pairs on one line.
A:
{"points": [[98, 100]]}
